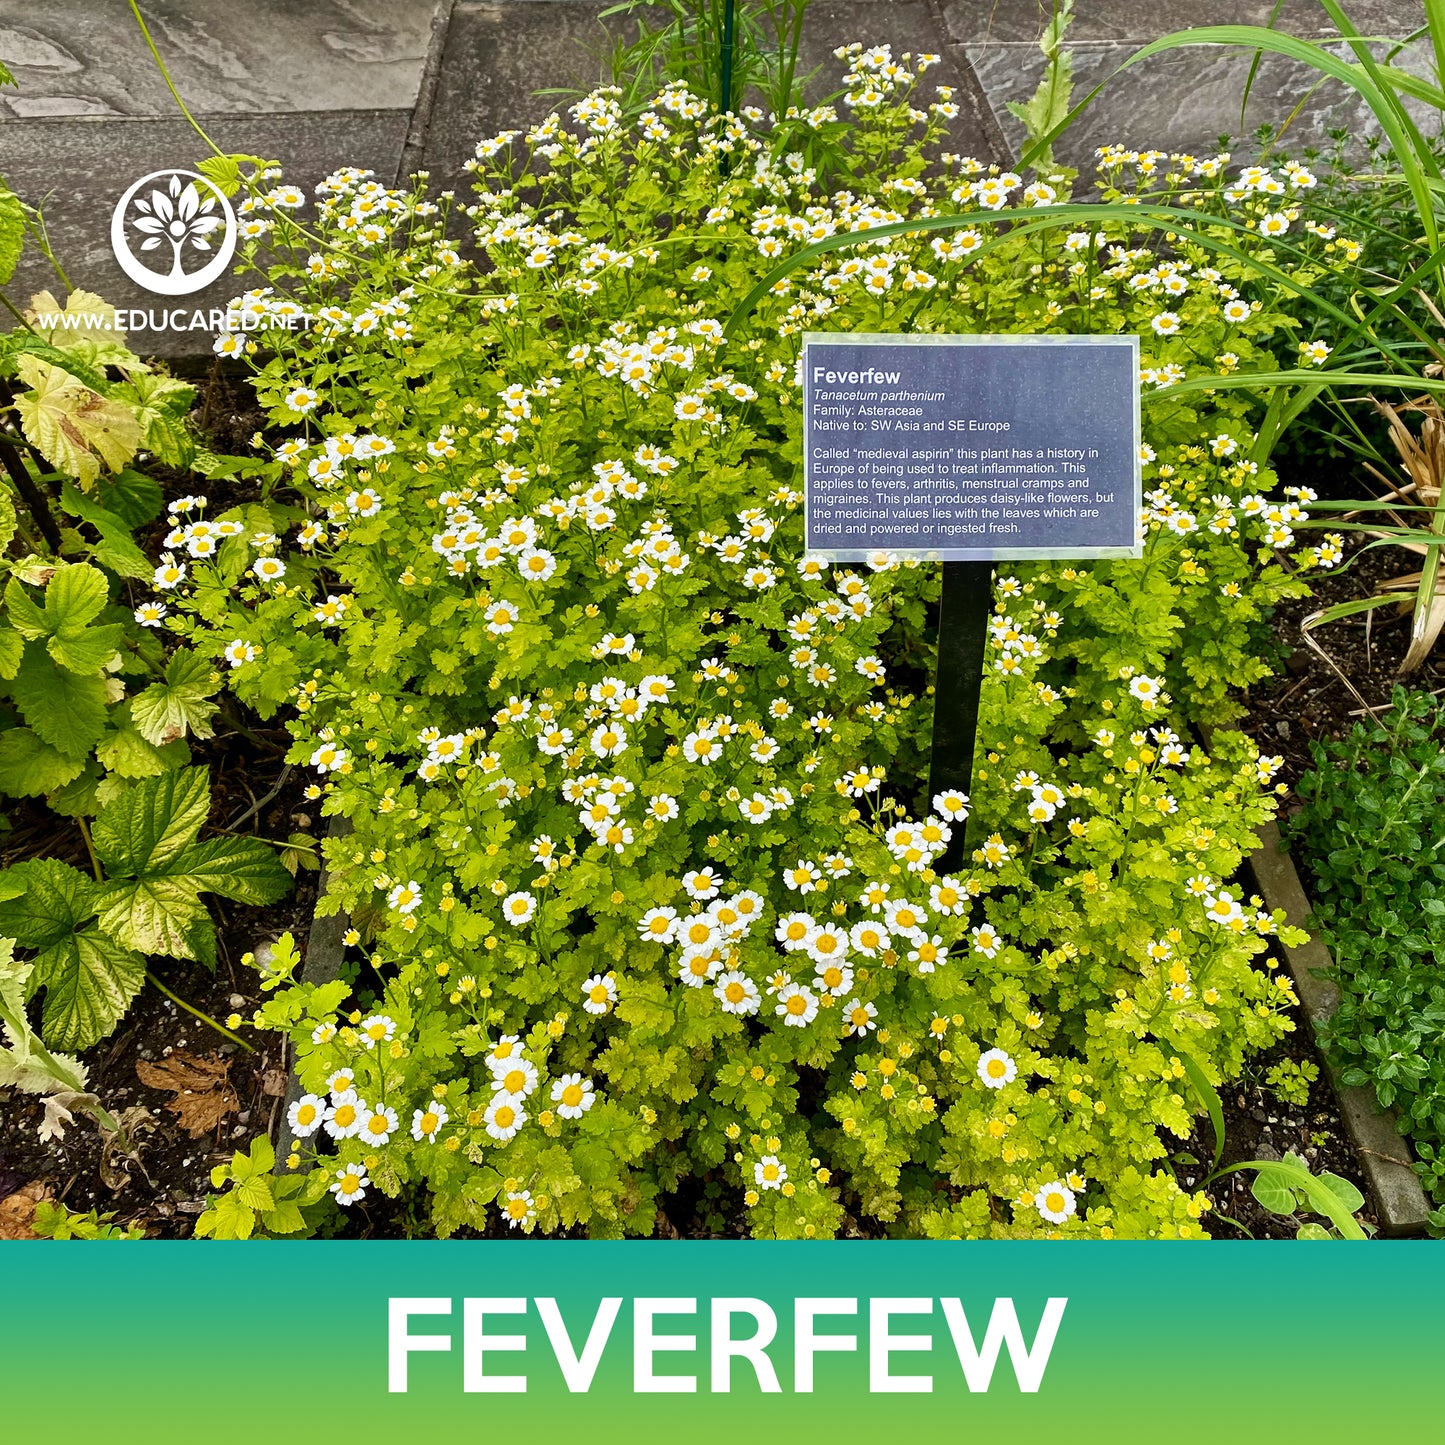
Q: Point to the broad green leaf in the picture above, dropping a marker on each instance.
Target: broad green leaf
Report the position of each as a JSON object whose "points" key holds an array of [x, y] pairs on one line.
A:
{"points": [[126, 753], [12, 649], [89, 981], [132, 496], [75, 428], [11, 886], [87, 652], [7, 516], [26, 617], [57, 899], [116, 549], [68, 711], [227, 1218], [12, 220], [1313, 1231], [74, 597], [30, 767], [244, 869], [168, 710], [78, 798], [145, 829], [1348, 1195], [92, 333], [1271, 1189], [155, 915]]}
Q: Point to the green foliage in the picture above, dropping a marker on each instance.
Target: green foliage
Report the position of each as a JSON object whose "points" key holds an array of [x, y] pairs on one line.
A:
{"points": [[259, 1204], [1048, 107], [55, 1221], [525, 578], [1291, 1081], [1371, 835], [90, 936], [1289, 1187]]}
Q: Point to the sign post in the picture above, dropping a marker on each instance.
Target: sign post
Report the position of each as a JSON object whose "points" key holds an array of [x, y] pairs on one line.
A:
{"points": [[970, 450]]}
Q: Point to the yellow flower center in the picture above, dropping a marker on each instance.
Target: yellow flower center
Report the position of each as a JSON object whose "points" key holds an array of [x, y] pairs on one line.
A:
{"points": [[572, 1095], [797, 1004], [504, 1116], [735, 992], [515, 1080]]}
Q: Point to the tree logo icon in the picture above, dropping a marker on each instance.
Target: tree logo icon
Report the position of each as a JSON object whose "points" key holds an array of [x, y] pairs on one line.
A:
{"points": [[167, 220]]}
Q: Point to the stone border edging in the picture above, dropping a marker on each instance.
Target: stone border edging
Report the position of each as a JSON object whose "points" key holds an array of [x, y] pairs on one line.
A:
{"points": [[1384, 1152]]}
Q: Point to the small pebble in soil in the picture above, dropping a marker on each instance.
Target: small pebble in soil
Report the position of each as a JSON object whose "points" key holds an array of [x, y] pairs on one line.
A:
{"points": [[237, 1001]]}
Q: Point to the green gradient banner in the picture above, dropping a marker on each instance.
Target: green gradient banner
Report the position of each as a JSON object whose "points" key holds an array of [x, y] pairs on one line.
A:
{"points": [[161, 1342]]}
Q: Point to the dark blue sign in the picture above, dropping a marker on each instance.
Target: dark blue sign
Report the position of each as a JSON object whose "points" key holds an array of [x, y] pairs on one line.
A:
{"points": [[972, 448]]}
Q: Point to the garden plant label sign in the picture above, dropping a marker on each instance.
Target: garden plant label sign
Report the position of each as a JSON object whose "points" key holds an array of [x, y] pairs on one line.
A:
{"points": [[970, 450]]}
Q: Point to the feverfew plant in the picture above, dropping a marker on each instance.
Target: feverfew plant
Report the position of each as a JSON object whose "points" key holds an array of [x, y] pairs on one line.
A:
{"points": [[642, 880]]}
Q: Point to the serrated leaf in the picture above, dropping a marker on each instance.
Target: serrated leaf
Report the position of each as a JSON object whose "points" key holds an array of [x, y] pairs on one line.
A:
{"points": [[152, 822], [88, 652], [56, 900], [155, 915], [74, 598], [75, 428], [227, 1218], [255, 1192], [79, 797], [8, 520], [116, 549], [132, 496], [126, 753], [12, 219], [168, 710], [67, 710], [30, 767], [28, 619], [12, 649], [89, 981], [93, 331], [245, 870]]}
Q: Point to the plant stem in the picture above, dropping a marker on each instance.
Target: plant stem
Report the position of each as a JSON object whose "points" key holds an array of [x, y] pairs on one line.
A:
{"points": [[30, 493], [204, 1018], [90, 849], [166, 76]]}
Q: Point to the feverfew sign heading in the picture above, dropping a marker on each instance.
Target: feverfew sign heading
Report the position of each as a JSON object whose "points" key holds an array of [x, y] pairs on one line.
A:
{"points": [[972, 448]]}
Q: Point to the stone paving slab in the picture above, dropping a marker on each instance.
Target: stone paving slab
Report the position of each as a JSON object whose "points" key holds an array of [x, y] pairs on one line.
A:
{"points": [[498, 56], [1137, 21], [88, 57], [1180, 100]]}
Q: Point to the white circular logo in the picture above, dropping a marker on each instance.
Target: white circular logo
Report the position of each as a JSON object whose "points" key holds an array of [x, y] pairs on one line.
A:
{"points": [[172, 217]]}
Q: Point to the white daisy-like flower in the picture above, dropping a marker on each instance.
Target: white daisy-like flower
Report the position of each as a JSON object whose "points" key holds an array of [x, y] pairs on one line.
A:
{"points": [[796, 1006], [1055, 1201], [350, 1183], [519, 908], [405, 897], [425, 1123], [378, 1124], [378, 1029], [736, 992], [504, 1116], [305, 1115], [573, 1095], [599, 993], [996, 1068], [770, 1172]]}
